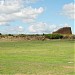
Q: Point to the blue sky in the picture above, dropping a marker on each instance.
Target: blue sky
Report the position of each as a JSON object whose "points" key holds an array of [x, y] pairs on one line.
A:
{"points": [[35, 16]]}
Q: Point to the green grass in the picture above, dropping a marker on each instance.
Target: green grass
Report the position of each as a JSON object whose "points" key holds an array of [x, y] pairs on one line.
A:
{"points": [[54, 57]]}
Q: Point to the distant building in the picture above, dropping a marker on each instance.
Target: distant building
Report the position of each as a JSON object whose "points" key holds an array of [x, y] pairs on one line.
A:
{"points": [[64, 30]]}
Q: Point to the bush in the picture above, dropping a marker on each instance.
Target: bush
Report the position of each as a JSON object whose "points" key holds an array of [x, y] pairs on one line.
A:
{"points": [[10, 35], [21, 35], [0, 34], [54, 36]]}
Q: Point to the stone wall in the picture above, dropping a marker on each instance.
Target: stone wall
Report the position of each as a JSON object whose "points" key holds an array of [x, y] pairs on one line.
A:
{"points": [[64, 30]]}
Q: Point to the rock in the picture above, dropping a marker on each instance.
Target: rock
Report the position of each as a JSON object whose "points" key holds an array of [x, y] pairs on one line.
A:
{"points": [[64, 30]]}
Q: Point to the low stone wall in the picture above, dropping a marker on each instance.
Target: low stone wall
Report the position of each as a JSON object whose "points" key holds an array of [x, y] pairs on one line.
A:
{"points": [[27, 37]]}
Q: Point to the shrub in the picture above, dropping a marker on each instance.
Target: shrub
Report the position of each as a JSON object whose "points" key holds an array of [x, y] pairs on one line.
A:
{"points": [[10, 35], [0, 34], [54, 36], [21, 35]]}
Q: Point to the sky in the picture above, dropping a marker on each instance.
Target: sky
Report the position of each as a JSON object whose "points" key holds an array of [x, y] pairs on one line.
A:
{"points": [[36, 16]]}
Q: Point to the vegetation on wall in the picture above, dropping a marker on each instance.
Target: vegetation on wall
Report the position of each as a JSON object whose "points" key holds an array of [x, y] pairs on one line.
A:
{"points": [[36, 36], [54, 36]]}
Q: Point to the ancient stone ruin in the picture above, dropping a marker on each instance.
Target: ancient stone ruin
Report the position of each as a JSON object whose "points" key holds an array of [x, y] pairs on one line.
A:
{"points": [[64, 30]]}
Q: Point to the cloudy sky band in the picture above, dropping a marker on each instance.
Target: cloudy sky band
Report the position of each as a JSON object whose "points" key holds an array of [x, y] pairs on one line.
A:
{"points": [[35, 16]]}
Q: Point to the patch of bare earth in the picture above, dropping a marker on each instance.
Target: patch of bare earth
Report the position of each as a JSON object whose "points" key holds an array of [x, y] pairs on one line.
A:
{"points": [[69, 67]]}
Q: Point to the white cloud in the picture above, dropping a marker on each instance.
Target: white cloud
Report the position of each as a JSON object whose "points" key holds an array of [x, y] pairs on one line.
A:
{"points": [[13, 10], [29, 13], [20, 28], [26, 14], [3, 23], [9, 6], [41, 27], [38, 27], [31, 1], [13, 29], [69, 10]]}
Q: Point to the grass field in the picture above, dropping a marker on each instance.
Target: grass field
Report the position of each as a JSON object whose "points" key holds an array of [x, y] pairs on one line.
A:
{"points": [[54, 57]]}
